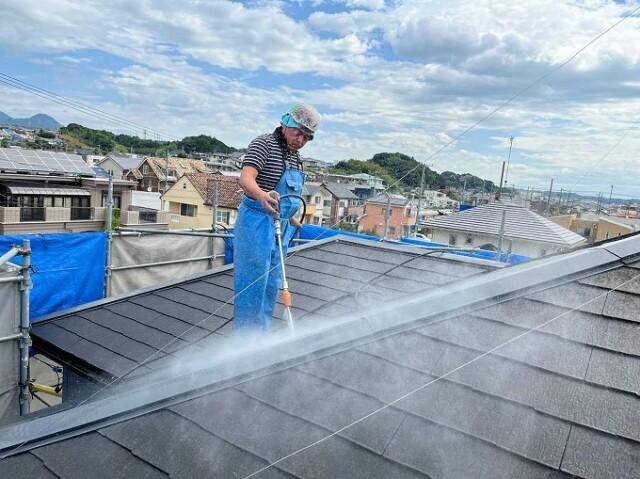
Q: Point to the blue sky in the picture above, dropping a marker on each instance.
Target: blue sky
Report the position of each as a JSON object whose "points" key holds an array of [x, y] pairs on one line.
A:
{"points": [[399, 75]]}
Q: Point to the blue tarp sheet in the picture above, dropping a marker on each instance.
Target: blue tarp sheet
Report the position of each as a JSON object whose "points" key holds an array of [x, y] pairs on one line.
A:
{"points": [[68, 269], [317, 232]]}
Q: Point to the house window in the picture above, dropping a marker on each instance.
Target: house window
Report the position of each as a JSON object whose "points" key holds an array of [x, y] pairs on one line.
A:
{"points": [[392, 229], [326, 203], [117, 200], [222, 217], [145, 169], [453, 240], [188, 210], [317, 200]]}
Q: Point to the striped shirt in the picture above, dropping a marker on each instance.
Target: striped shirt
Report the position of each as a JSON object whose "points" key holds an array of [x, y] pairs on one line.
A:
{"points": [[265, 154]]}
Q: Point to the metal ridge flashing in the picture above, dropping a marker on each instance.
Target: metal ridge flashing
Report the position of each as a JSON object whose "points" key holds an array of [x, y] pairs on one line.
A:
{"points": [[625, 248]]}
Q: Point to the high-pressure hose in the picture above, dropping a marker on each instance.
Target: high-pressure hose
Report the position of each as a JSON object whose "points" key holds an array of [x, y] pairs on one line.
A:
{"points": [[286, 294]]}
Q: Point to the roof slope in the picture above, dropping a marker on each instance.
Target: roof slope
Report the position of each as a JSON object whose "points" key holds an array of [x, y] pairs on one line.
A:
{"points": [[229, 191], [124, 162], [532, 371], [395, 200], [326, 278], [519, 223], [340, 191]]}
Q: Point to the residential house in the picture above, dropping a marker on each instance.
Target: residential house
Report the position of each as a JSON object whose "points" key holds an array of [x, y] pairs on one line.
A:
{"points": [[503, 226], [222, 162], [118, 165], [525, 371], [314, 201], [51, 192], [331, 203], [594, 227], [342, 198], [311, 164], [160, 174], [192, 199], [401, 216], [438, 199]]}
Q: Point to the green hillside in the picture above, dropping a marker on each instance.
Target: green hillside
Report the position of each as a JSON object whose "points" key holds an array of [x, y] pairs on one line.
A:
{"points": [[75, 136]]}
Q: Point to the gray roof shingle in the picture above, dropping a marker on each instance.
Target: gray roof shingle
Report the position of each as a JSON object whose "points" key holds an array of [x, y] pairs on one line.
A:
{"points": [[529, 371], [520, 223]]}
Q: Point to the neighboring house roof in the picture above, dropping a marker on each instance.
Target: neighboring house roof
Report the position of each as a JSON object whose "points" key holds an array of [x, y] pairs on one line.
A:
{"points": [[528, 371], [180, 165], [229, 191], [340, 191], [310, 189], [124, 162], [396, 200], [40, 161], [520, 223]]}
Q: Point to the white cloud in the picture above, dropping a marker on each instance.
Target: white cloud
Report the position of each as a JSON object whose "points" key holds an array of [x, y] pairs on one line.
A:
{"points": [[402, 76]]}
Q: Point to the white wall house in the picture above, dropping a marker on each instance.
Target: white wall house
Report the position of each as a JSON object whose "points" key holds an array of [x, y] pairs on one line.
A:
{"points": [[525, 232]]}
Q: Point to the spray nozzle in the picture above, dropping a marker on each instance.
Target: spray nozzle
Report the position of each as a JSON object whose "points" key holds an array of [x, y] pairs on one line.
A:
{"points": [[276, 197]]}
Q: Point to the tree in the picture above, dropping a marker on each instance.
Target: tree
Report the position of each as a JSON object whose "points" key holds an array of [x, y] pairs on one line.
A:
{"points": [[407, 170], [352, 167]]}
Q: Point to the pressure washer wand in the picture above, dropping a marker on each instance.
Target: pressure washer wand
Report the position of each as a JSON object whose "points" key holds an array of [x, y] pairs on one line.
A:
{"points": [[286, 295]]}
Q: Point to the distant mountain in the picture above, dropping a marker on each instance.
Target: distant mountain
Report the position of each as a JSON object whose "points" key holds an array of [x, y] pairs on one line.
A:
{"points": [[36, 121]]}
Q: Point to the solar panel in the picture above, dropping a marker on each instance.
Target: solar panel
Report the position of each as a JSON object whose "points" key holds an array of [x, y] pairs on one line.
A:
{"points": [[38, 161]]}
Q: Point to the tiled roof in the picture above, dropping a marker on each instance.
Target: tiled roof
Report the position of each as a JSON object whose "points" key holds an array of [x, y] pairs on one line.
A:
{"points": [[528, 371], [229, 191], [180, 165], [124, 162], [327, 277], [519, 223], [396, 200], [340, 190]]}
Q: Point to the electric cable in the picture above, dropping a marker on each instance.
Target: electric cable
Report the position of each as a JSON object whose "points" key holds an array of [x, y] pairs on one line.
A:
{"points": [[81, 107]]}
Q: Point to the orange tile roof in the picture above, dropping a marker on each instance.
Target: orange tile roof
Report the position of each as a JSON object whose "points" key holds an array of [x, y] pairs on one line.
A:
{"points": [[229, 191]]}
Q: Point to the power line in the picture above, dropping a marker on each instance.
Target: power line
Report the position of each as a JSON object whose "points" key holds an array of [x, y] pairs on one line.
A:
{"points": [[81, 107], [528, 87]]}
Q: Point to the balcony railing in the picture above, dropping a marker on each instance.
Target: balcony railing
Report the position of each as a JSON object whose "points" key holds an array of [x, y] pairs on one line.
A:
{"points": [[50, 214], [81, 213], [32, 213]]}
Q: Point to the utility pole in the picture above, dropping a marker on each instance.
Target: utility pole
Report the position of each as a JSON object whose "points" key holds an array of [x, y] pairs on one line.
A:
{"points": [[166, 172], [501, 178], [610, 194], [415, 230], [508, 161], [464, 190], [549, 198], [387, 214], [560, 200]]}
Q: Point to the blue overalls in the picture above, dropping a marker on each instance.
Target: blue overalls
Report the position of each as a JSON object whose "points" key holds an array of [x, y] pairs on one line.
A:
{"points": [[257, 270]]}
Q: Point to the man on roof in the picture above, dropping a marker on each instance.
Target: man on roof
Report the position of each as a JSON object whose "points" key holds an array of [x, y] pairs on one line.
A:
{"points": [[271, 167]]}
